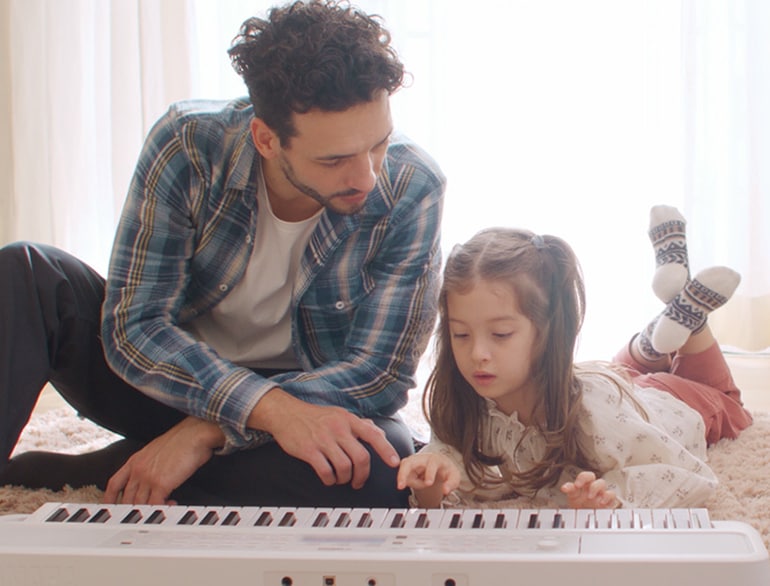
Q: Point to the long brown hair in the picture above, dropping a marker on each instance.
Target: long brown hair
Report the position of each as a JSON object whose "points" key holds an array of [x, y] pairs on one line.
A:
{"points": [[545, 275]]}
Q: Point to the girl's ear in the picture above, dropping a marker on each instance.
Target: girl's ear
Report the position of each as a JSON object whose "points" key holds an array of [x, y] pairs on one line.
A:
{"points": [[265, 139]]}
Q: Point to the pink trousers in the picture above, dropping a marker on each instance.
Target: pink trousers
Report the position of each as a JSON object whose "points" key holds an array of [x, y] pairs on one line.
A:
{"points": [[704, 382]]}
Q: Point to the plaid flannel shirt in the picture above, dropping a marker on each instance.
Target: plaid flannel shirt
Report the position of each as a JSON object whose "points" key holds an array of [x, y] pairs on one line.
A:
{"points": [[364, 302]]}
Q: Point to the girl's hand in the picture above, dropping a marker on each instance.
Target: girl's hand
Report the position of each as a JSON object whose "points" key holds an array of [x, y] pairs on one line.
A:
{"points": [[431, 476], [588, 492]]}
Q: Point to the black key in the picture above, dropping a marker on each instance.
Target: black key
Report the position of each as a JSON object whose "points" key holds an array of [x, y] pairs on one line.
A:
{"points": [[156, 518], [133, 517], [189, 518], [101, 516], [322, 520], [343, 520], [79, 516], [288, 520], [58, 516]]}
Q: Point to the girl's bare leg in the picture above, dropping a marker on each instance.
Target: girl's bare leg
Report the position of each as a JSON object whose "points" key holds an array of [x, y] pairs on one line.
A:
{"points": [[699, 341]]}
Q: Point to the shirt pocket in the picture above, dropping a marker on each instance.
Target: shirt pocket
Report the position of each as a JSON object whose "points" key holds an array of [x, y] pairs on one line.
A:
{"points": [[328, 309]]}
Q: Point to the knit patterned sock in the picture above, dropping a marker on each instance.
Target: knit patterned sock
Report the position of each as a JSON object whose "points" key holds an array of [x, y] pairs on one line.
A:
{"points": [[686, 314], [644, 345], [667, 234]]}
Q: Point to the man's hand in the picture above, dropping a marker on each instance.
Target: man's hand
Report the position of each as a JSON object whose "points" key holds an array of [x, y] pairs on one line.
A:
{"points": [[588, 492], [330, 439], [152, 473], [431, 476]]}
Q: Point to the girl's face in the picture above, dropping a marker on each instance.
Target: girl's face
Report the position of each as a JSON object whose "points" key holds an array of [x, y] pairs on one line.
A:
{"points": [[492, 344]]}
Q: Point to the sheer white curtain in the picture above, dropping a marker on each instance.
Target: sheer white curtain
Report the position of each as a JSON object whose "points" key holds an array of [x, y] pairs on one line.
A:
{"points": [[727, 169], [570, 118], [85, 79]]}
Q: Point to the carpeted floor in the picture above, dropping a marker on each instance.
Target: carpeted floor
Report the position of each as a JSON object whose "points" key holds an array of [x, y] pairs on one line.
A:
{"points": [[743, 467]]}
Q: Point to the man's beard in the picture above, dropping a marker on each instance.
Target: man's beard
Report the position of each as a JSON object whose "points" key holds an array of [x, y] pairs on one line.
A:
{"points": [[325, 201]]}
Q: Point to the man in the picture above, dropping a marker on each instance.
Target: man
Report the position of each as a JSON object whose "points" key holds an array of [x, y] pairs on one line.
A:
{"points": [[271, 289]]}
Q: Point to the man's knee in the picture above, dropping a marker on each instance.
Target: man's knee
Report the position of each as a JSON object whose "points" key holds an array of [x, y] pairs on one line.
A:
{"points": [[50, 275], [397, 433], [31, 264], [14, 258]]}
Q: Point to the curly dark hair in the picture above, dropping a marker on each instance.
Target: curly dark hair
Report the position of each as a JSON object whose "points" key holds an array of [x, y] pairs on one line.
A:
{"points": [[316, 54]]}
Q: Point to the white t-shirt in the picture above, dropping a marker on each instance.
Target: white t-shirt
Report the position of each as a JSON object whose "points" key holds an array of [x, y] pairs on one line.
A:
{"points": [[252, 325]]}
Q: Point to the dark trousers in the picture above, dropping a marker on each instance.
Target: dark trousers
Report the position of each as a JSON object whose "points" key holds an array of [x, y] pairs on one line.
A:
{"points": [[50, 306]]}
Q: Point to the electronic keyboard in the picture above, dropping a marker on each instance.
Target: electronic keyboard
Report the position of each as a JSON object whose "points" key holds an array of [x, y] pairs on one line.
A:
{"points": [[125, 545]]}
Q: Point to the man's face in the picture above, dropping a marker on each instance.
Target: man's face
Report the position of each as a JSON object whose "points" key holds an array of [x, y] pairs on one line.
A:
{"points": [[335, 157]]}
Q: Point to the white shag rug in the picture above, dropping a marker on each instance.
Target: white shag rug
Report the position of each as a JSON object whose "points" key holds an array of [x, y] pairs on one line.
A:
{"points": [[742, 465]]}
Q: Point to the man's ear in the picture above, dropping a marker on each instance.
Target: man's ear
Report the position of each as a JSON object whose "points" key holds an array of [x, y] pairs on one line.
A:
{"points": [[265, 139]]}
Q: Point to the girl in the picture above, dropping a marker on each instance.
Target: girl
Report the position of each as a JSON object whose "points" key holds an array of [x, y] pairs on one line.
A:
{"points": [[512, 415]]}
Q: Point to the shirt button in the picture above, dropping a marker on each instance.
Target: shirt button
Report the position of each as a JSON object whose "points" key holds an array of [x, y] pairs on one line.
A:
{"points": [[248, 239], [340, 305], [223, 287]]}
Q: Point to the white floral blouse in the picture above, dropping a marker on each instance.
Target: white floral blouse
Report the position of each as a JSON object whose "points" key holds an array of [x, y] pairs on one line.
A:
{"points": [[654, 463]]}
